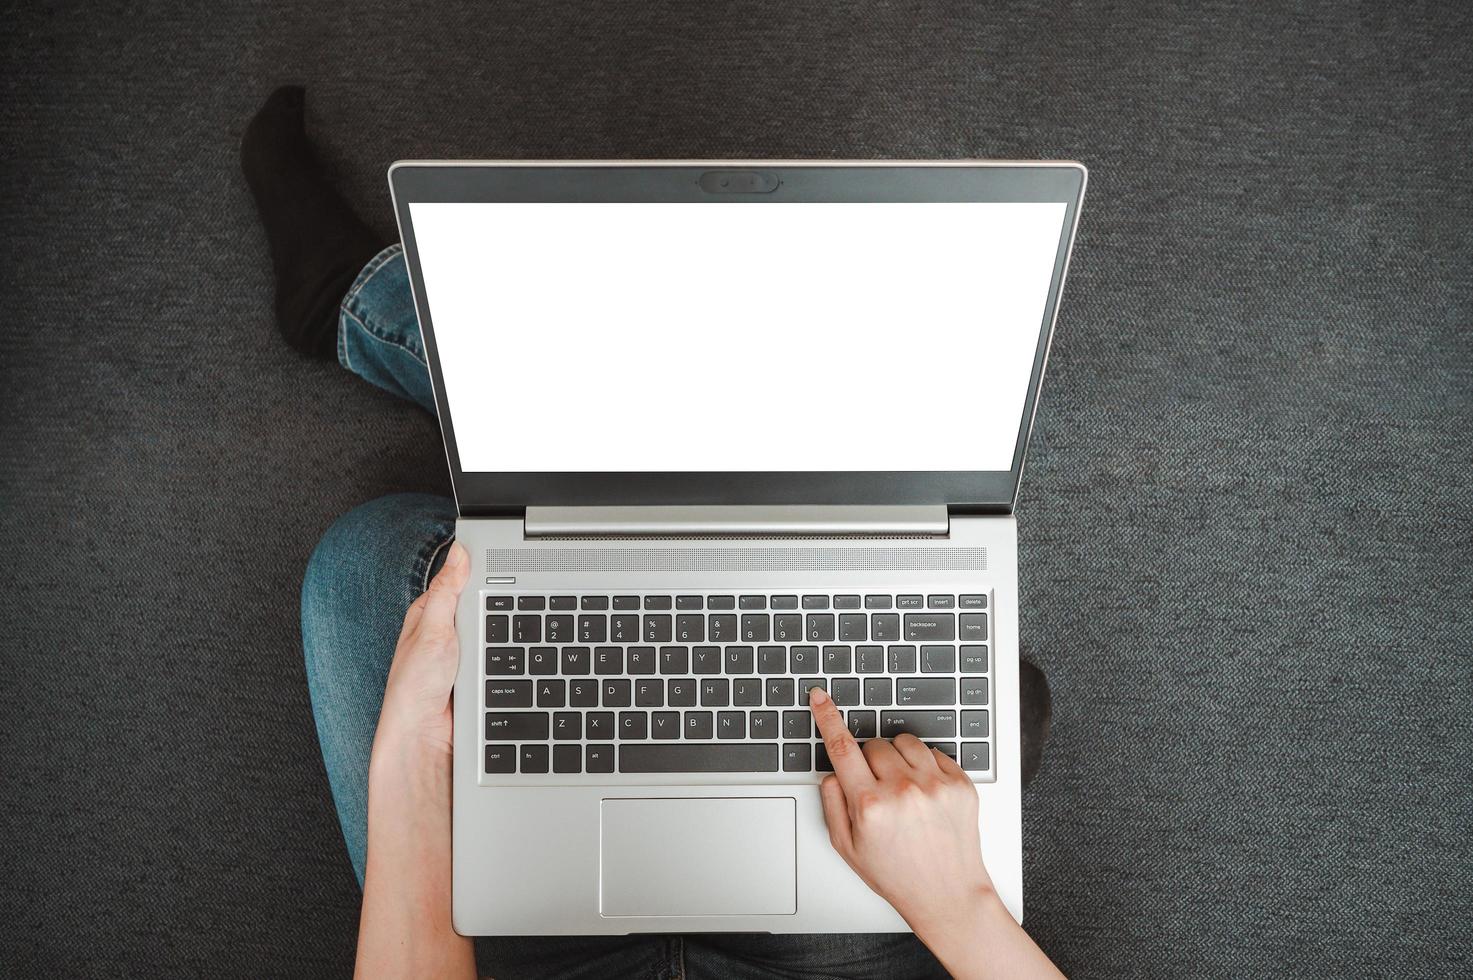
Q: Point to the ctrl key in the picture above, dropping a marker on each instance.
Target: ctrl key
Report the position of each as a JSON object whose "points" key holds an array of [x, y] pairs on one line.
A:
{"points": [[501, 758]]}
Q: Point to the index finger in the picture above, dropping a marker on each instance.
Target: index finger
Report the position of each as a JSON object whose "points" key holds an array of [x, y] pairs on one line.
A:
{"points": [[849, 762]]}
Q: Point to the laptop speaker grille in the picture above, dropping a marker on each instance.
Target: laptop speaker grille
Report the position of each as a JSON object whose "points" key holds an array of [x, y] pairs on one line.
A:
{"points": [[735, 559]]}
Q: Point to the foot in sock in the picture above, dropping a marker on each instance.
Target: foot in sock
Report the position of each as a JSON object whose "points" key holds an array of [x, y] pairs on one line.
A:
{"points": [[1036, 710], [318, 245]]}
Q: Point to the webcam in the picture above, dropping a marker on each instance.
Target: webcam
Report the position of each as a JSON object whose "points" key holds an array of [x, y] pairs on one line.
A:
{"points": [[738, 182]]}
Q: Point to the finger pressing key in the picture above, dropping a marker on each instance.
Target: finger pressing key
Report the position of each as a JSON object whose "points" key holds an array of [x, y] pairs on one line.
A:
{"points": [[848, 761]]}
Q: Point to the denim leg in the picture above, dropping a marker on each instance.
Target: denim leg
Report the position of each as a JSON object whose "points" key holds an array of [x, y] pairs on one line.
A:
{"points": [[378, 330], [868, 956], [369, 566]]}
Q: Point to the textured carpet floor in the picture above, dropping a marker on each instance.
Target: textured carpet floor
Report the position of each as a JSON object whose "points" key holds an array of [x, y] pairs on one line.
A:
{"points": [[1245, 523]]}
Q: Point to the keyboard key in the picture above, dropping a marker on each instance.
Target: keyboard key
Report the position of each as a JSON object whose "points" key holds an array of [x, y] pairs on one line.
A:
{"points": [[941, 602], [798, 757], [763, 724], [756, 628], [925, 690], [771, 660], [657, 602], [688, 602], [599, 724], [582, 694], [690, 629], [974, 627], [910, 602], [706, 660], [552, 693], [680, 692], [820, 628], [723, 629], [594, 602], [803, 660], [640, 660], [526, 629], [608, 660], [738, 660], [807, 684], [659, 629], [720, 602], [787, 628], [649, 692], [665, 724], [567, 725], [753, 602], [884, 627], [593, 629], [714, 757], [534, 758], [626, 602], [632, 724], [871, 660], [731, 724], [518, 725], [624, 629], [938, 660], [854, 627], [531, 603], [974, 690], [746, 692], [902, 659], [498, 629], [974, 724], [861, 724], [674, 660], [784, 602], [797, 724], [845, 691], [975, 757], [562, 602], [878, 602], [617, 693], [501, 661], [508, 694], [822, 763], [815, 602], [698, 724], [780, 691], [498, 603], [878, 691], [846, 602], [542, 660], [921, 724], [930, 626], [501, 758], [577, 660], [715, 692], [974, 659], [948, 747], [599, 758], [836, 660], [567, 758], [974, 602]]}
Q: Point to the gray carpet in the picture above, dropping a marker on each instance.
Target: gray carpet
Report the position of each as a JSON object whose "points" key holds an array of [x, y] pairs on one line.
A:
{"points": [[1245, 524]]}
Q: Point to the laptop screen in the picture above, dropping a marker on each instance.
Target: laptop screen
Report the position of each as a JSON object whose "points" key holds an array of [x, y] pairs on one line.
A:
{"points": [[744, 336]]}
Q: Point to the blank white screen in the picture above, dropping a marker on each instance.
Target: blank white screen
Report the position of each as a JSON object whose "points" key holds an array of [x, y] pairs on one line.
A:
{"points": [[752, 336]]}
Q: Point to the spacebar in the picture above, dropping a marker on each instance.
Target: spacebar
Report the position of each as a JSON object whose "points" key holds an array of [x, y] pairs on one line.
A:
{"points": [[689, 757]]}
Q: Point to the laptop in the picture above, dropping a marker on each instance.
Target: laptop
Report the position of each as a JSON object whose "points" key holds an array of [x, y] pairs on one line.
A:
{"points": [[720, 432]]}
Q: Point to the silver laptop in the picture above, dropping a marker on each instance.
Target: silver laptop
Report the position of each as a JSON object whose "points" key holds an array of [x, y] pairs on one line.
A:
{"points": [[720, 432]]}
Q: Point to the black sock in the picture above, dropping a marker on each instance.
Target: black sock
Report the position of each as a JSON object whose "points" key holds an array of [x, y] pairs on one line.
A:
{"points": [[1036, 709], [318, 245]]}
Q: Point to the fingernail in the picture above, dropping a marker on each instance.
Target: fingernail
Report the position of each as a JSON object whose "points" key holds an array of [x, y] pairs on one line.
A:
{"points": [[456, 556], [817, 695]]}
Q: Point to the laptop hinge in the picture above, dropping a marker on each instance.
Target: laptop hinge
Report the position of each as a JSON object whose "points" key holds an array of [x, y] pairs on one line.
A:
{"points": [[736, 521]]}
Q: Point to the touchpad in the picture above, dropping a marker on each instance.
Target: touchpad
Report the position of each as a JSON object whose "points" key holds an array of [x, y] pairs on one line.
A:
{"points": [[724, 856]]}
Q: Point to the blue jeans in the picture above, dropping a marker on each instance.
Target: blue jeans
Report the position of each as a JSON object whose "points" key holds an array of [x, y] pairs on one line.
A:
{"points": [[370, 565]]}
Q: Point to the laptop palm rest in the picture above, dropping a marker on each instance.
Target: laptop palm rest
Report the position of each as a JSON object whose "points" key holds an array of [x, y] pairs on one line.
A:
{"points": [[706, 856]]}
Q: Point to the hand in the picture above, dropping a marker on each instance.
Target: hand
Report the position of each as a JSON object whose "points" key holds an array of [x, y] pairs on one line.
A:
{"points": [[904, 817]]}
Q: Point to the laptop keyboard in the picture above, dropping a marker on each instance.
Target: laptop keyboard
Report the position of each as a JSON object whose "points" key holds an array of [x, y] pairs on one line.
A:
{"points": [[718, 683]]}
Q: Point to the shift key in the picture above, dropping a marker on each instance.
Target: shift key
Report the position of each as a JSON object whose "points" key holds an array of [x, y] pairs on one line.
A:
{"points": [[930, 626], [921, 724], [925, 690]]}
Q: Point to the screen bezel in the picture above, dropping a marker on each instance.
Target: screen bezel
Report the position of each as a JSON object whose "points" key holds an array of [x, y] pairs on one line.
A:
{"points": [[490, 493]]}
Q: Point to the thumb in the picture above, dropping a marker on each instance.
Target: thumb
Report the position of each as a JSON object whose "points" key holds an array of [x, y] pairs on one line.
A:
{"points": [[445, 588]]}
